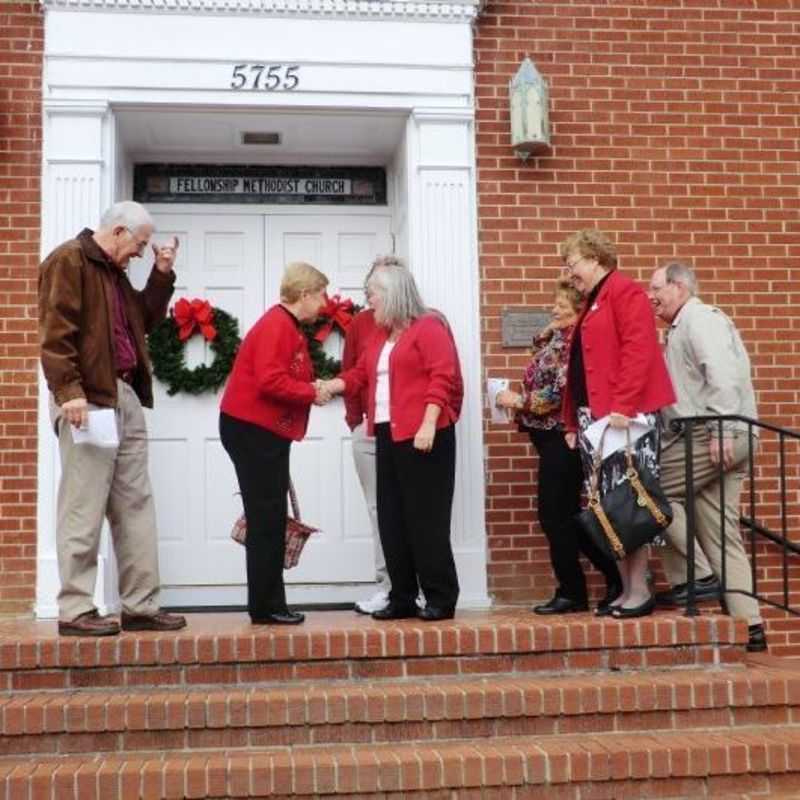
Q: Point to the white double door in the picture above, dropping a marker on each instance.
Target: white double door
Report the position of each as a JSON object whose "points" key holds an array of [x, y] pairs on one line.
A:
{"points": [[235, 261]]}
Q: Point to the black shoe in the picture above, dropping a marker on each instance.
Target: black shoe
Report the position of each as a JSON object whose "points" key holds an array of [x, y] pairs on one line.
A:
{"points": [[433, 613], [757, 641], [280, 618], [395, 611], [644, 610], [707, 588], [560, 605], [604, 607]]}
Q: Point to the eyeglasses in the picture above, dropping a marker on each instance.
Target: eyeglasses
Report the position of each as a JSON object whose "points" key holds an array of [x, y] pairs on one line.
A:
{"points": [[140, 245], [570, 265]]}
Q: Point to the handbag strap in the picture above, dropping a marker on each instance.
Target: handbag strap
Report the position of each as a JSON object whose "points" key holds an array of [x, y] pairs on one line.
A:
{"points": [[293, 500], [608, 528]]}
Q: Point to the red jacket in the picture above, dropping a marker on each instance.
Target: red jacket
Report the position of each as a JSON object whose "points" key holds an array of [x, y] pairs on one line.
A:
{"points": [[271, 381], [622, 359], [423, 369], [359, 332]]}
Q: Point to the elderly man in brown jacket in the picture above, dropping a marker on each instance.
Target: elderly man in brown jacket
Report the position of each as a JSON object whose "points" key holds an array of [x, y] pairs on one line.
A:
{"points": [[92, 327]]}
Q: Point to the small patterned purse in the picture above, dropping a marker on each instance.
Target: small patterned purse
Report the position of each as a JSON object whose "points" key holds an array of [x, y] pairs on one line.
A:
{"points": [[297, 532]]}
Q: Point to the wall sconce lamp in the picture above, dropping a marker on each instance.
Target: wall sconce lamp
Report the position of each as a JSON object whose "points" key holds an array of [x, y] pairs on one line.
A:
{"points": [[530, 118]]}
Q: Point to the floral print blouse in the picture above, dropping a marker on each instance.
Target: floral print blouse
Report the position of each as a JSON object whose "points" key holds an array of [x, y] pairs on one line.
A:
{"points": [[544, 381]]}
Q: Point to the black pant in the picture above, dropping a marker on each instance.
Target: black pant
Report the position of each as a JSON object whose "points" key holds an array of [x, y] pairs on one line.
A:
{"points": [[415, 503], [559, 500], [261, 460]]}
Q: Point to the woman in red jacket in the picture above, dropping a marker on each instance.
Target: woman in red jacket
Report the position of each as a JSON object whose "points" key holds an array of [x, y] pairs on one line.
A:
{"points": [[265, 407], [616, 370], [414, 392]]}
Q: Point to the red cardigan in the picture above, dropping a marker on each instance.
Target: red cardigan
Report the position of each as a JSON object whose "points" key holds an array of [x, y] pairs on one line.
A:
{"points": [[271, 381], [624, 366], [423, 369], [359, 332]]}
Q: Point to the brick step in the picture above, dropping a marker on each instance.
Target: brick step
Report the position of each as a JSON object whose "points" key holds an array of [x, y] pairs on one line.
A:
{"points": [[737, 763], [84, 721], [224, 649]]}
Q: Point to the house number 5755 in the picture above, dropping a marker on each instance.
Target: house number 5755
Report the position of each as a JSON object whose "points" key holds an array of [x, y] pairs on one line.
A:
{"points": [[267, 77]]}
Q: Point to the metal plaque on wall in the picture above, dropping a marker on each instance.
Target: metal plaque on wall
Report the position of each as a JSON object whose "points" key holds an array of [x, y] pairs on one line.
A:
{"points": [[519, 325], [236, 183]]}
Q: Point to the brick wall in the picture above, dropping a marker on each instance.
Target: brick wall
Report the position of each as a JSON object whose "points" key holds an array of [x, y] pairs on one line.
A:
{"points": [[675, 129], [21, 40]]}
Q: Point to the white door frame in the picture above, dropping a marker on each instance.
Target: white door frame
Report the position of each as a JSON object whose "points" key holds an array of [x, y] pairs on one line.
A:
{"points": [[429, 79]]}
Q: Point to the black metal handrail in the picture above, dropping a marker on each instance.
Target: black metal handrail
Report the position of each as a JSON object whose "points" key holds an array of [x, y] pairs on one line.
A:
{"points": [[686, 427]]}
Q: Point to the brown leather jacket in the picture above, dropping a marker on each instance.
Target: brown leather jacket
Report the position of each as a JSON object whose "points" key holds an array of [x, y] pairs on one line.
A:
{"points": [[76, 322]]}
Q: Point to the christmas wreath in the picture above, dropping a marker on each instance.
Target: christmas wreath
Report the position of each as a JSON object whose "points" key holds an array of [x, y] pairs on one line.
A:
{"points": [[168, 340], [338, 314]]}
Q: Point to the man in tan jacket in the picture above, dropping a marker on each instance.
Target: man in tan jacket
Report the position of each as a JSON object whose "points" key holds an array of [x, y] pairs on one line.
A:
{"points": [[710, 370], [92, 327]]}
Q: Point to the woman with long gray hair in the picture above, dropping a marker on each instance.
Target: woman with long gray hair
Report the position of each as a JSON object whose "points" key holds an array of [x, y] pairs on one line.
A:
{"points": [[414, 391]]}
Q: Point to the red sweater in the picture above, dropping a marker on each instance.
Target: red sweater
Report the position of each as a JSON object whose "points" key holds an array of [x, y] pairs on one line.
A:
{"points": [[423, 369], [622, 359], [359, 332], [271, 381]]}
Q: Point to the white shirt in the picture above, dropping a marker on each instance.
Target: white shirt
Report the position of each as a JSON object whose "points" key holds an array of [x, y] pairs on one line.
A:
{"points": [[382, 385]]}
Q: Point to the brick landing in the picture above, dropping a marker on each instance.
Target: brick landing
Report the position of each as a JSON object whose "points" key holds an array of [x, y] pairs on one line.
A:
{"points": [[498, 706]]}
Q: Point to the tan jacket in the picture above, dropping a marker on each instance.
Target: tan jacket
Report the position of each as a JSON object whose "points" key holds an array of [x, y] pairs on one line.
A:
{"points": [[76, 322], [709, 366]]}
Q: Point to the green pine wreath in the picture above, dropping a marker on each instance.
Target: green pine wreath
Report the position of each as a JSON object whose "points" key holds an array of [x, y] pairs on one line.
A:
{"points": [[168, 356]]}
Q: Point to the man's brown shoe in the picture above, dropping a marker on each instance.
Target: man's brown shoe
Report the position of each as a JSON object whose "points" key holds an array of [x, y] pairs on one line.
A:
{"points": [[156, 622], [89, 624]]}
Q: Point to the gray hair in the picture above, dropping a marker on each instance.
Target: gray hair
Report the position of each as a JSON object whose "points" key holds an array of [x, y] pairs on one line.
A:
{"points": [[681, 273], [384, 261], [402, 302], [128, 214]]}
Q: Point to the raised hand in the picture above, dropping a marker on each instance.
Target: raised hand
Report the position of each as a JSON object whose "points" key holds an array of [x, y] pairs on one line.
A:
{"points": [[165, 255]]}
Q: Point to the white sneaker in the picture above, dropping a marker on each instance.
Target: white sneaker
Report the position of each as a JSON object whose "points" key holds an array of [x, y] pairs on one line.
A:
{"points": [[377, 602]]}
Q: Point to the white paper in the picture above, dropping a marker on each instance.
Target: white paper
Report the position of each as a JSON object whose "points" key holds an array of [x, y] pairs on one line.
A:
{"points": [[493, 387], [101, 430], [616, 437]]}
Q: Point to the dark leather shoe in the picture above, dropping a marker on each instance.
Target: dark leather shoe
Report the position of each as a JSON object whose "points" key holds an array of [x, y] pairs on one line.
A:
{"points": [[395, 611], [560, 605], [153, 622], [434, 613], [89, 624], [707, 588], [603, 608], [280, 618], [644, 610], [757, 641]]}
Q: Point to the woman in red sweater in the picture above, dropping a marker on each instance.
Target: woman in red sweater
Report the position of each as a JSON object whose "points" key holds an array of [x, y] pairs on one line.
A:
{"points": [[414, 392], [616, 370], [265, 407]]}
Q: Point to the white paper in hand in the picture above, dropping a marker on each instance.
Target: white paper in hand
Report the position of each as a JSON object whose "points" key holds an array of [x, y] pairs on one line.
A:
{"points": [[493, 387], [101, 430], [615, 438]]}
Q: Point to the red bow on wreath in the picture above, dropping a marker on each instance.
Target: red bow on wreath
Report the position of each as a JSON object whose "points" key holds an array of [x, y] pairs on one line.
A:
{"points": [[194, 315], [337, 312]]}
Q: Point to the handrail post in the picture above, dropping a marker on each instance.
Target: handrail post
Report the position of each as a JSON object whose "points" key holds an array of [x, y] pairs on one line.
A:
{"points": [[688, 434]]}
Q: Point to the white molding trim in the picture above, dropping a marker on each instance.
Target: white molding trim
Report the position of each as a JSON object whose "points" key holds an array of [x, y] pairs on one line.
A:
{"points": [[432, 10]]}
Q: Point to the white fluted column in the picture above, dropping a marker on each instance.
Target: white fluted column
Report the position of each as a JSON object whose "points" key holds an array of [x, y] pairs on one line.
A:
{"points": [[77, 169], [443, 253]]}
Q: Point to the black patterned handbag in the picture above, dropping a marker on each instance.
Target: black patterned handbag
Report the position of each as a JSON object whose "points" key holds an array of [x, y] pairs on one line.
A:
{"points": [[631, 514]]}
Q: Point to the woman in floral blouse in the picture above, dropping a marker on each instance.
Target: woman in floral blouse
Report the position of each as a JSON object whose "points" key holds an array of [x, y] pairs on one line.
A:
{"points": [[538, 412]]}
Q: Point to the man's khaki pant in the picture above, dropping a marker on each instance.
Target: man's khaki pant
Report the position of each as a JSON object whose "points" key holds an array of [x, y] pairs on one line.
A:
{"points": [[99, 482], [707, 519]]}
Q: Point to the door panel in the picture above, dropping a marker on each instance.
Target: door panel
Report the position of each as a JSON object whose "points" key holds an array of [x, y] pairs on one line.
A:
{"points": [[322, 464], [220, 259]]}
